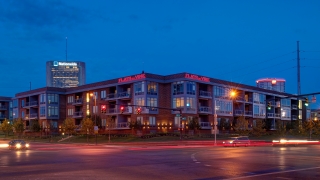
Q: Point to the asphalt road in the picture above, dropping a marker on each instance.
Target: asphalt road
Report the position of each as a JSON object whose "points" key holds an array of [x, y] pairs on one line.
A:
{"points": [[52, 161]]}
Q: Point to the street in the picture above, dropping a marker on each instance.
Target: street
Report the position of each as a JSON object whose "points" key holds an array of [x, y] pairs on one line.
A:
{"points": [[68, 161]]}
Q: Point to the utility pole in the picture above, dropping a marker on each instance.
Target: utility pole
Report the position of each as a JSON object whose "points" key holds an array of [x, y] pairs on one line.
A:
{"points": [[298, 68]]}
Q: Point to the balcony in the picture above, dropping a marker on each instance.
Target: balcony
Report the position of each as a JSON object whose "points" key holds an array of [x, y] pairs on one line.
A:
{"points": [[77, 102], [205, 125], [152, 93], [240, 99], [248, 113], [259, 115], [113, 111], [190, 110], [278, 116], [205, 94], [123, 95], [30, 104], [248, 100], [3, 107], [2, 116], [294, 117], [226, 113], [123, 125], [78, 114], [31, 116], [150, 110], [270, 115], [205, 110], [294, 106], [238, 112]]}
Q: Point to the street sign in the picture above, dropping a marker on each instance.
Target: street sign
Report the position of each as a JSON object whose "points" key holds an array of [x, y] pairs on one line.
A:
{"points": [[183, 118], [96, 129], [177, 115]]}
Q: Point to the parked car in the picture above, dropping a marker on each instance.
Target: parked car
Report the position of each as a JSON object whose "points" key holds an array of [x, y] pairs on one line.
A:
{"points": [[237, 141], [18, 144]]}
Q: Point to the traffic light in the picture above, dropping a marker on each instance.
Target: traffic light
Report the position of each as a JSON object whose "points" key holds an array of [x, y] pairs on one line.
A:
{"points": [[122, 109], [307, 102], [103, 108], [138, 110], [269, 105]]}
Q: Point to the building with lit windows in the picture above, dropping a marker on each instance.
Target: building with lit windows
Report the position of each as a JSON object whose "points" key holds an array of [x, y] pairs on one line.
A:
{"points": [[65, 74], [5, 108], [155, 100], [274, 84]]}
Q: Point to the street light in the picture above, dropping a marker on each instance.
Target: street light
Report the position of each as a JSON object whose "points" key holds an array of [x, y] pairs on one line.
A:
{"points": [[95, 114]]}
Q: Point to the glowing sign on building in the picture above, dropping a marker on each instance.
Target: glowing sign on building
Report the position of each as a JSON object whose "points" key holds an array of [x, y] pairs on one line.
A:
{"points": [[132, 78], [196, 77], [67, 64]]}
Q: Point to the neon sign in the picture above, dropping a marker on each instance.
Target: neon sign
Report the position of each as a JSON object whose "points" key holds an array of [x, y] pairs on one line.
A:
{"points": [[67, 64], [132, 78], [196, 77]]}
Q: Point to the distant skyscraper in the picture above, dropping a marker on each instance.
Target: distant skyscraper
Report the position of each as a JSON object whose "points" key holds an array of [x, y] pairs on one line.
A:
{"points": [[274, 84], [65, 74]]}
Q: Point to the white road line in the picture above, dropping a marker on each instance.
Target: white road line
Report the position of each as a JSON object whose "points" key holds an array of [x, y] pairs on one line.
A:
{"points": [[280, 172], [283, 178]]}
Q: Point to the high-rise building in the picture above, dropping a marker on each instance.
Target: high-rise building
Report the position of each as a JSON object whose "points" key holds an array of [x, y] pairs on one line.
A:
{"points": [[65, 74], [274, 84]]}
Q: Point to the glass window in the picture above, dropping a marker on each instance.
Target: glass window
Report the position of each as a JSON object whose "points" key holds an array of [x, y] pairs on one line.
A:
{"points": [[103, 94], [178, 87], [190, 102], [140, 101], [22, 114], [139, 88], [221, 91], [286, 102], [152, 121], [22, 103], [53, 99], [178, 102], [15, 103], [300, 104], [42, 111], [300, 114], [152, 88], [140, 119], [70, 99], [191, 88], [42, 98], [52, 111], [152, 102]]}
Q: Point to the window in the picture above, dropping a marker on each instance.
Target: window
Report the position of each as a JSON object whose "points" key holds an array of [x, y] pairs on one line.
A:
{"points": [[178, 102], [259, 110], [52, 98], [178, 87], [15, 103], [140, 101], [139, 88], [221, 92], [22, 103], [152, 88], [42, 111], [103, 122], [42, 98], [22, 114], [191, 88], [52, 111], [259, 98], [224, 106], [94, 109], [286, 102], [70, 112], [190, 102], [152, 121], [300, 114], [152, 102], [285, 112], [300, 104], [140, 119], [103, 94], [70, 99], [176, 121]]}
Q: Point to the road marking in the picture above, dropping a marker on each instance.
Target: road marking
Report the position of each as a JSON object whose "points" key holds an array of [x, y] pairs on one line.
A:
{"points": [[207, 165], [282, 178], [279, 172]]}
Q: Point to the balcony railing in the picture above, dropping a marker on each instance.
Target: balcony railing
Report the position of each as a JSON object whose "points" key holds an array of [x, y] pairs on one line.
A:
{"points": [[259, 115], [270, 115], [78, 114], [294, 117], [77, 101], [190, 110], [113, 111], [248, 113], [277, 115], [152, 93], [238, 112], [3, 107], [150, 110], [123, 95], [205, 94], [123, 125], [294, 106], [248, 100], [205, 125], [32, 103], [224, 112], [205, 109], [2, 116]]}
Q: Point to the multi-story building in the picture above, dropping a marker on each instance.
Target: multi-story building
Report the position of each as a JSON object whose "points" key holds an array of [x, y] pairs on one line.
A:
{"points": [[160, 99], [5, 108], [65, 74], [274, 84]]}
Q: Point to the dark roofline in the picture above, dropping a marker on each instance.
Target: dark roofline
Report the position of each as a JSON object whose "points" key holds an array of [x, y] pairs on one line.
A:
{"points": [[26, 93], [3, 98]]}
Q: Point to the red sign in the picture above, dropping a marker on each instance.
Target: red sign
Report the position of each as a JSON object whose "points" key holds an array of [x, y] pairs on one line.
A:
{"points": [[196, 77], [132, 78]]}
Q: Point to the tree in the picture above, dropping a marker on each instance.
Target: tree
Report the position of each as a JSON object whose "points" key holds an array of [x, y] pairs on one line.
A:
{"points": [[110, 124], [6, 127], [280, 128], [259, 129], [35, 126], [18, 126], [87, 126], [241, 126], [69, 126], [224, 124]]}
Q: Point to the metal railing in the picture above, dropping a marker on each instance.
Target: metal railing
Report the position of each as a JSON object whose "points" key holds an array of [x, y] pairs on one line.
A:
{"points": [[238, 112], [77, 101], [205, 94], [78, 114], [205, 109], [205, 125], [3, 107], [270, 115], [123, 95], [32, 103], [248, 113]]}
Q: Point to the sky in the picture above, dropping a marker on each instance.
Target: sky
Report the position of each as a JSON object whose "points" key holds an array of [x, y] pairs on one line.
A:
{"points": [[237, 41]]}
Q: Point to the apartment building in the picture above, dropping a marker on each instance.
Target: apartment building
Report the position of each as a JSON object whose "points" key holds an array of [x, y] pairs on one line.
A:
{"points": [[159, 100], [5, 108]]}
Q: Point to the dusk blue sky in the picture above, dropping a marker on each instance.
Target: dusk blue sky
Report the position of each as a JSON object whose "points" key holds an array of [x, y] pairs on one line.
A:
{"points": [[238, 41]]}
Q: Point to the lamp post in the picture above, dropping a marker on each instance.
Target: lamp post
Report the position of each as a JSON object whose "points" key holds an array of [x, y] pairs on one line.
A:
{"points": [[95, 114]]}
